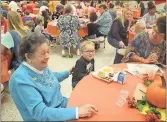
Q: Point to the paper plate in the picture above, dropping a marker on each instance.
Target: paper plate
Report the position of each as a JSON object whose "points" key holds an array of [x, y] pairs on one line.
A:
{"points": [[106, 70]]}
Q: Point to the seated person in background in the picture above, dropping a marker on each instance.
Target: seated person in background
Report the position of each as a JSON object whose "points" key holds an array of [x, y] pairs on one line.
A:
{"points": [[104, 21], [58, 12], [93, 29], [39, 29], [35, 89], [139, 27], [151, 16], [149, 47], [80, 11], [117, 36], [112, 11], [30, 25], [85, 64], [27, 16], [92, 26]]}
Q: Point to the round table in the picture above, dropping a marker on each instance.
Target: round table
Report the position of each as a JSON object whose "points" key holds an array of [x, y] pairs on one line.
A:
{"points": [[53, 30], [103, 95]]}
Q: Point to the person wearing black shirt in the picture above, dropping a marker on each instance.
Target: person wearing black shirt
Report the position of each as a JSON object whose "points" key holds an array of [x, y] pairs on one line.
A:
{"points": [[58, 12], [92, 27], [85, 64]]}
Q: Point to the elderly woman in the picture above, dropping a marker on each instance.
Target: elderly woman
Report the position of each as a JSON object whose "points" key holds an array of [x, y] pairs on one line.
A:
{"points": [[35, 89], [68, 25], [149, 47], [10, 41]]}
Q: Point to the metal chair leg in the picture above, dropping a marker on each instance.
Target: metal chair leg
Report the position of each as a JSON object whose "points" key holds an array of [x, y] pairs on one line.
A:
{"points": [[69, 52]]}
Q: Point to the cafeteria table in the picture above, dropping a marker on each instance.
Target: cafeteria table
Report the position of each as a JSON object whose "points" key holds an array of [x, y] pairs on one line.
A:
{"points": [[104, 96]]}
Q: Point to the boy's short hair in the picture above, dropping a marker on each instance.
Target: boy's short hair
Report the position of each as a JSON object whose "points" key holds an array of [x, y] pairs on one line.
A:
{"points": [[29, 23], [27, 12], [93, 17], [85, 44]]}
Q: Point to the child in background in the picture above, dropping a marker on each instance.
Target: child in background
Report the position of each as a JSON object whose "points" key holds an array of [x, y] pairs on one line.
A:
{"points": [[93, 29], [39, 29], [139, 27], [30, 25], [85, 64], [27, 16]]}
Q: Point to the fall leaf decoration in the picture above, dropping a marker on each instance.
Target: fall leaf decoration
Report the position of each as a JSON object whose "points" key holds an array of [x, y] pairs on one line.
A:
{"points": [[152, 114], [131, 102], [151, 117]]}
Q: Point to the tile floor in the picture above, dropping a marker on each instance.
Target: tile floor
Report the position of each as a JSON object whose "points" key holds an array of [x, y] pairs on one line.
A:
{"points": [[103, 57]]}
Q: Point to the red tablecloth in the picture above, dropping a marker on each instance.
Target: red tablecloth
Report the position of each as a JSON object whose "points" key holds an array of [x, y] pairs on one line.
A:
{"points": [[104, 96]]}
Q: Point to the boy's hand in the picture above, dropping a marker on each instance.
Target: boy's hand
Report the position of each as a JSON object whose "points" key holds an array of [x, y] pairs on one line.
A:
{"points": [[71, 70]]}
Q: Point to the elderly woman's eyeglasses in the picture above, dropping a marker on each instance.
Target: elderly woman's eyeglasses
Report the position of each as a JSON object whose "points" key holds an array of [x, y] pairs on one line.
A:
{"points": [[40, 55]]}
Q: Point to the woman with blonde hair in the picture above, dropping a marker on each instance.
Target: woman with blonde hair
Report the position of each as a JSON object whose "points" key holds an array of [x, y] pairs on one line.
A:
{"points": [[117, 36], [10, 41]]}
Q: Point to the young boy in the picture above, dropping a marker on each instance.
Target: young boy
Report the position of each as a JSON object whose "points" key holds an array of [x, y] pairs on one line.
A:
{"points": [[92, 29], [30, 25], [85, 64]]}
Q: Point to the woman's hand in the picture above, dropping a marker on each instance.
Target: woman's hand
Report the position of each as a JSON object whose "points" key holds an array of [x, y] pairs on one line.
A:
{"points": [[86, 110], [121, 44], [153, 58]]}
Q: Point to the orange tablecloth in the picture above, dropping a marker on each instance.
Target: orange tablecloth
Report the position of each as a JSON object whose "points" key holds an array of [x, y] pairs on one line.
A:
{"points": [[53, 30], [104, 96], [35, 10]]}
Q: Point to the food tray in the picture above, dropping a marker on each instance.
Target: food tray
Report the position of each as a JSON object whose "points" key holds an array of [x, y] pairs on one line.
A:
{"points": [[106, 70]]}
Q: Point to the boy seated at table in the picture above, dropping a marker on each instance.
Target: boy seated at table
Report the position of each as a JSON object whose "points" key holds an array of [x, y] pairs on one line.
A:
{"points": [[85, 64], [30, 25], [27, 16], [92, 29]]}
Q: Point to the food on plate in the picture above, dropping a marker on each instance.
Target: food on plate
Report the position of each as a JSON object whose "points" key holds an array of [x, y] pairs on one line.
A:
{"points": [[101, 74], [108, 70], [110, 74]]}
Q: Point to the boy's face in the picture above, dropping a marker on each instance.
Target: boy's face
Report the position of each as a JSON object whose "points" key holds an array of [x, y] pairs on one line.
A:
{"points": [[89, 52]]}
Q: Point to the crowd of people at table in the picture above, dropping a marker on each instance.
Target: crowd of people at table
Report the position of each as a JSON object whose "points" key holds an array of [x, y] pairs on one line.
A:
{"points": [[34, 88]]}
